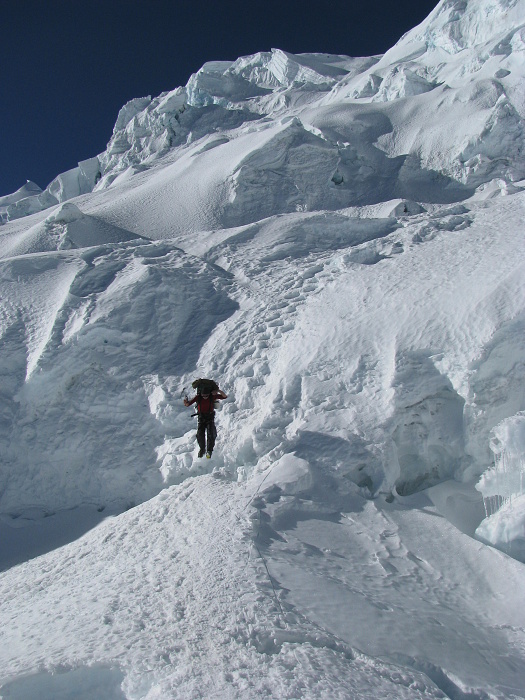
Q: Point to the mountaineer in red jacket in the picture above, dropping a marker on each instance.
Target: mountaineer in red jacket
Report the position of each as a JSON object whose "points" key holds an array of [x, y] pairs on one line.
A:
{"points": [[206, 430]]}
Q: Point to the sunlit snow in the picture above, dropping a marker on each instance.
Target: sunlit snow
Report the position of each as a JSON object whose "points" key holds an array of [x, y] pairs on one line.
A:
{"points": [[339, 243]]}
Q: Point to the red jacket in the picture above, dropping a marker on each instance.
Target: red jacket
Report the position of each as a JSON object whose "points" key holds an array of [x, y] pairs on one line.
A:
{"points": [[206, 406]]}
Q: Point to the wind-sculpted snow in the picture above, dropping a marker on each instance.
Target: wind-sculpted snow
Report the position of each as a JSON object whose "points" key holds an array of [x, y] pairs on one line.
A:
{"points": [[65, 228], [465, 56], [339, 243], [456, 25], [464, 53], [86, 338], [249, 651]]}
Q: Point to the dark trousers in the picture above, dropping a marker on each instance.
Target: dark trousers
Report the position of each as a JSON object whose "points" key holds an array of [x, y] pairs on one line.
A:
{"points": [[206, 432]]}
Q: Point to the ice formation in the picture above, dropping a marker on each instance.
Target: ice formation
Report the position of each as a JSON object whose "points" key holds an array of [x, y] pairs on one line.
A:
{"points": [[339, 242]]}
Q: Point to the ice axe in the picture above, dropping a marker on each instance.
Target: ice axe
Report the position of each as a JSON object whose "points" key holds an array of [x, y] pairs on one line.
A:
{"points": [[187, 397]]}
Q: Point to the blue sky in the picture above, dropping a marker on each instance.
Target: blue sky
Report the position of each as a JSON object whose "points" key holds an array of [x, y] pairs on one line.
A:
{"points": [[67, 66]]}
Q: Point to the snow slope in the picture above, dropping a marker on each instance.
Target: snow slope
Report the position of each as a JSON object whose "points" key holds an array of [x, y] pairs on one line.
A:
{"points": [[339, 242]]}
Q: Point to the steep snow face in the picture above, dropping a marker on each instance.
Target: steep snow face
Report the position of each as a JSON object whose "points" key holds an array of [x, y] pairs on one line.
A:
{"points": [[339, 243], [456, 25], [352, 155], [82, 336], [465, 53]]}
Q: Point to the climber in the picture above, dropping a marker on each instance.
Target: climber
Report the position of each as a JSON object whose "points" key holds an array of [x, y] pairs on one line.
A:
{"points": [[208, 393]]}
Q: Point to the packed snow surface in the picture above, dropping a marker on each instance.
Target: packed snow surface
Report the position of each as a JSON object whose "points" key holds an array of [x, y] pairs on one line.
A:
{"points": [[339, 242]]}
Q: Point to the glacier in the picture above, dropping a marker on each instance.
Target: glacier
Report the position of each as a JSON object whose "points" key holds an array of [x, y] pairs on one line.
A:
{"points": [[338, 241]]}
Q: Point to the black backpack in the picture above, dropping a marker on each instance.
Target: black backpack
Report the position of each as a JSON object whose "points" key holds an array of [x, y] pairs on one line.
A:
{"points": [[205, 386]]}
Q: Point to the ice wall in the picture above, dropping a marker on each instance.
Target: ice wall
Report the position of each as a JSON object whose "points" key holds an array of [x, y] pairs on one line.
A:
{"points": [[72, 183], [503, 488], [506, 480]]}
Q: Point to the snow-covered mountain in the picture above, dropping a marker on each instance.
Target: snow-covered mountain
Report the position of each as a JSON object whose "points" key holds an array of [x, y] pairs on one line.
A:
{"points": [[339, 243]]}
